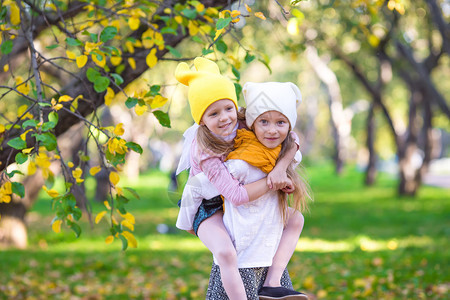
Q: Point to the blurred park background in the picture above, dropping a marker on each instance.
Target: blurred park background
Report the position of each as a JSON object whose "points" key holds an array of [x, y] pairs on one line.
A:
{"points": [[91, 124]]}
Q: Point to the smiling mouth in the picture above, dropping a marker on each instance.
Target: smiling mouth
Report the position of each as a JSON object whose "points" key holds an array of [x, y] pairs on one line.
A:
{"points": [[224, 126]]}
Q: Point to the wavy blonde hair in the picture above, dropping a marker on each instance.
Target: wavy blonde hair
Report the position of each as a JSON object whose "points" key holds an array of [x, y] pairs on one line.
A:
{"points": [[298, 200]]}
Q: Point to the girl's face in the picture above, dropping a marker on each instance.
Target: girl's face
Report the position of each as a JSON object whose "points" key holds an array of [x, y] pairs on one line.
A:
{"points": [[271, 128], [220, 117]]}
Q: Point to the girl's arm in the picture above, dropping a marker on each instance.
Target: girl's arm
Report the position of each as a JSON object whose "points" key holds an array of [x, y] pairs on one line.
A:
{"points": [[277, 178], [230, 187]]}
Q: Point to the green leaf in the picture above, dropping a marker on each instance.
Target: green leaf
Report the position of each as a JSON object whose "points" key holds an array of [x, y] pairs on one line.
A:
{"points": [[207, 51], [92, 74], [162, 117], [21, 158], [154, 90], [52, 47], [124, 242], [14, 172], [101, 84], [266, 64], [73, 42], [236, 72], [222, 23], [221, 46], [44, 104], [133, 192], [47, 126], [33, 123], [17, 143], [174, 51], [6, 47], [47, 139], [135, 147], [168, 30], [189, 13], [131, 102], [196, 39], [249, 58], [18, 189], [53, 117], [75, 227], [238, 88], [117, 78], [108, 33]]}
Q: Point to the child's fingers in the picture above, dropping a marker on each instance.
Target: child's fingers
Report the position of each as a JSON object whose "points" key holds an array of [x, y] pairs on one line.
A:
{"points": [[269, 182]]}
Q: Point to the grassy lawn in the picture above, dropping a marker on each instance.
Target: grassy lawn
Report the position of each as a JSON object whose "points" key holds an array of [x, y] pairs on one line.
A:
{"points": [[358, 243]]}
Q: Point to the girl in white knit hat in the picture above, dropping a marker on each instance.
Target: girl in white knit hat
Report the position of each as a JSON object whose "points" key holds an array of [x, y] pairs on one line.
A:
{"points": [[213, 104]]}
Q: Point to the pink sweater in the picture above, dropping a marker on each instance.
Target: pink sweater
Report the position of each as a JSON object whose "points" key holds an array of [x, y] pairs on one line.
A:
{"points": [[218, 175]]}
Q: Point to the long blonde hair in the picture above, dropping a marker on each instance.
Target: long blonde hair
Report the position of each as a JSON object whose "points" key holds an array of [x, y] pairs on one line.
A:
{"points": [[302, 193]]}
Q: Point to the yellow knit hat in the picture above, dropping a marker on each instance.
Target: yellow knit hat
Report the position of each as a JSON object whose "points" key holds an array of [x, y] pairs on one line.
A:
{"points": [[206, 85]]}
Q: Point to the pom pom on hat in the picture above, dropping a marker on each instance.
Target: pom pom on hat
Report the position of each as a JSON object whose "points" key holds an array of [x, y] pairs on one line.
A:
{"points": [[283, 97], [206, 85]]}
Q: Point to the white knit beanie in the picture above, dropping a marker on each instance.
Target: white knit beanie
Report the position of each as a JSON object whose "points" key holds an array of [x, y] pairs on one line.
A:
{"points": [[283, 97]]}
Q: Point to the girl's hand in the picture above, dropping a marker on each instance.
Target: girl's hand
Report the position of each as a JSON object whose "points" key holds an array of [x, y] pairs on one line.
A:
{"points": [[289, 188], [277, 179]]}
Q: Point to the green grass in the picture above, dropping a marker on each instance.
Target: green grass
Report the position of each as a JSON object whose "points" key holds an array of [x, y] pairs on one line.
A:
{"points": [[357, 243]]}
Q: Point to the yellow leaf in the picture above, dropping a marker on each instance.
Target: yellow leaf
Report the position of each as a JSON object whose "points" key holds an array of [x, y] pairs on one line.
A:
{"points": [[5, 67], [218, 33], [56, 226], [22, 109], [109, 96], [15, 14], [132, 63], [130, 238], [109, 239], [2, 128], [134, 23], [65, 98], [52, 193], [70, 164], [119, 129], [77, 173], [116, 60], [127, 224], [248, 8], [114, 178], [106, 203], [129, 217], [140, 110], [158, 101], [22, 87], [58, 106], [95, 170], [23, 136], [100, 216], [235, 13], [27, 151], [200, 7], [91, 46], [70, 54], [193, 29], [56, 156], [260, 15], [31, 168], [99, 62], [151, 58], [178, 19], [81, 61]]}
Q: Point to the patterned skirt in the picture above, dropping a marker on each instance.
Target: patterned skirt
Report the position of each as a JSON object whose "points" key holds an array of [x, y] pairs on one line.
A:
{"points": [[253, 279], [206, 210]]}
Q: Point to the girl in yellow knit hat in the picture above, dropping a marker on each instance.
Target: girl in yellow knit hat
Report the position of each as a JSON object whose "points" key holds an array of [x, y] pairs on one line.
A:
{"points": [[213, 106]]}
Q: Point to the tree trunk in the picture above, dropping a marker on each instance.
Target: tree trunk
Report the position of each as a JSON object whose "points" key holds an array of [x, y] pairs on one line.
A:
{"points": [[13, 230], [371, 169], [337, 117]]}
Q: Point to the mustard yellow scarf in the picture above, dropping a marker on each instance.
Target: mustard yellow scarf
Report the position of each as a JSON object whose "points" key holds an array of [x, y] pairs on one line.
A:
{"points": [[249, 149]]}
